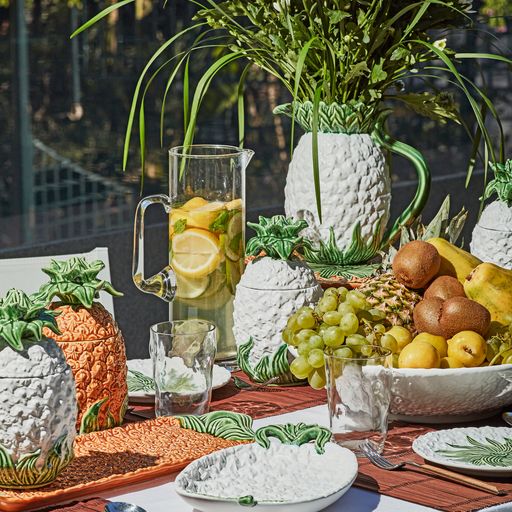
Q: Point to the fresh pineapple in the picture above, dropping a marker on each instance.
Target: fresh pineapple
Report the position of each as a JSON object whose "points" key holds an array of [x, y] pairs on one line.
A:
{"points": [[270, 290], [492, 236], [37, 395], [91, 340]]}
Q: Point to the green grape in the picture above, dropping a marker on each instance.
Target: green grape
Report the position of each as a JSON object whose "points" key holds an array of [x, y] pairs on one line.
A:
{"points": [[316, 341], [372, 339], [364, 315], [303, 349], [331, 292], [300, 367], [327, 303], [333, 337], [342, 294], [287, 335], [305, 334], [388, 341], [505, 355], [316, 378], [349, 324], [323, 327], [504, 347], [345, 308], [507, 360], [377, 314], [355, 341], [344, 352], [366, 350], [306, 319], [332, 317], [304, 309], [357, 300], [292, 323], [316, 358], [380, 328]]}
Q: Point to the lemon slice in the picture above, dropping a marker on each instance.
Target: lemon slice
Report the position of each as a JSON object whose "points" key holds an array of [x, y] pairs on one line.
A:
{"points": [[195, 253], [233, 245], [195, 202], [217, 281], [204, 216], [236, 204], [189, 287]]}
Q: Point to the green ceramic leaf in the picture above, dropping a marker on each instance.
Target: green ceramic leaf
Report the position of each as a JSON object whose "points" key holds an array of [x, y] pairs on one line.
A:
{"points": [[137, 381], [502, 182], [225, 424], [75, 281], [478, 453]]}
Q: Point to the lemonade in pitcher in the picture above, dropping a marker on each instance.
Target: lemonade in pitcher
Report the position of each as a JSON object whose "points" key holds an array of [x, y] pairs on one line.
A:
{"points": [[206, 252]]}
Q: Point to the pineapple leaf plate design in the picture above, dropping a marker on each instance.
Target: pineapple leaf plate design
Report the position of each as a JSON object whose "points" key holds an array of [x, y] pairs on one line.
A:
{"points": [[483, 451], [141, 385]]}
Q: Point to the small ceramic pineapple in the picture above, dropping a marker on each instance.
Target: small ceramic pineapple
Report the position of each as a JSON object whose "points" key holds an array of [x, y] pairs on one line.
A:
{"points": [[270, 290]]}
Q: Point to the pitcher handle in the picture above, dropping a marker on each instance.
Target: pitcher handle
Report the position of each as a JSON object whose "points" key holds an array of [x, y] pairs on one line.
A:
{"points": [[422, 191], [163, 284]]}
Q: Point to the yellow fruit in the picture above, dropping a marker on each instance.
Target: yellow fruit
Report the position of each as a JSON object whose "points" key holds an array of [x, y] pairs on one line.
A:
{"points": [[195, 253], [451, 362], [234, 239], [199, 217], [193, 203], [468, 347], [189, 287], [236, 204], [419, 355], [455, 262], [402, 335], [438, 342], [491, 286]]}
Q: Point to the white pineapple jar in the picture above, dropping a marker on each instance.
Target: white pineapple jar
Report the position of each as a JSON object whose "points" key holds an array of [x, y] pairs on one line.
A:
{"points": [[38, 407], [270, 290], [492, 236], [353, 176]]}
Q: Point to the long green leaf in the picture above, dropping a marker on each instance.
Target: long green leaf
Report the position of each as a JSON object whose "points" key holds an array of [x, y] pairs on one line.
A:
{"points": [[100, 16], [241, 105], [186, 98], [314, 146]]}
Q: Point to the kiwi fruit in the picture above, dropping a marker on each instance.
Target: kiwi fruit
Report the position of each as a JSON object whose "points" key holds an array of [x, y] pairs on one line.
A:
{"points": [[462, 314], [445, 287], [416, 263], [427, 314]]}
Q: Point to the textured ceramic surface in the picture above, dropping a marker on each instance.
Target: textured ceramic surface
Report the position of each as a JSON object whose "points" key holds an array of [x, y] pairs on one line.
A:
{"points": [[37, 413], [457, 394], [275, 471], [355, 186], [492, 236], [99, 368], [483, 451], [109, 459], [141, 386]]}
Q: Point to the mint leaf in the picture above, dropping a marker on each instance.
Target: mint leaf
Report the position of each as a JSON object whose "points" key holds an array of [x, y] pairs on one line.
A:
{"points": [[220, 224], [180, 226]]}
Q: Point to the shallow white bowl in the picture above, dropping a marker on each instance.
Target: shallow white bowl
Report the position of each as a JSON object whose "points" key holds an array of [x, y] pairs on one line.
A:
{"points": [[450, 395], [346, 467]]}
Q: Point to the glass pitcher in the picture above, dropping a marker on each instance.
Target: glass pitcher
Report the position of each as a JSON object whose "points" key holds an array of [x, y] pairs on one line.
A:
{"points": [[206, 207]]}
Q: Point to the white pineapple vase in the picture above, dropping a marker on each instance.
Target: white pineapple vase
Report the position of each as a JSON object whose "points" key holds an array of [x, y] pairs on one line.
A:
{"points": [[37, 414], [354, 180], [269, 292]]}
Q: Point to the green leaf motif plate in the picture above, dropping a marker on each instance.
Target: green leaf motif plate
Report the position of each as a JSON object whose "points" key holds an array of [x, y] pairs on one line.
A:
{"points": [[485, 451], [141, 386]]}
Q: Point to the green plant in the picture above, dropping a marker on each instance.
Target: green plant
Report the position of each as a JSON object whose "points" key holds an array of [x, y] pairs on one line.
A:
{"points": [[278, 237], [354, 52], [502, 182], [22, 319]]}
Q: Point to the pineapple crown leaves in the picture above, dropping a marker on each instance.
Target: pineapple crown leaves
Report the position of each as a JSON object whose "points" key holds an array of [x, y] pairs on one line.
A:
{"points": [[22, 318], [74, 281], [502, 182], [277, 236]]}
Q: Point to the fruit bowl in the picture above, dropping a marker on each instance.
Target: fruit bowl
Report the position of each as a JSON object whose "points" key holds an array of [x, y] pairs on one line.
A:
{"points": [[450, 394]]}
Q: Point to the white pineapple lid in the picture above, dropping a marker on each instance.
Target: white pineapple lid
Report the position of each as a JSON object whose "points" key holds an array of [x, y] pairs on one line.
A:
{"points": [[497, 215], [272, 274]]}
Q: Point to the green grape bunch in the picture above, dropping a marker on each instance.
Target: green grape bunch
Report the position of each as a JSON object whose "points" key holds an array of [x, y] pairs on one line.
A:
{"points": [[343, 324]]}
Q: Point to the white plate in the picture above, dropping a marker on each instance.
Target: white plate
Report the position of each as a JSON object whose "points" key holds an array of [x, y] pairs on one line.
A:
{"points": [[485, 451], [141, 386], [338, 461]]}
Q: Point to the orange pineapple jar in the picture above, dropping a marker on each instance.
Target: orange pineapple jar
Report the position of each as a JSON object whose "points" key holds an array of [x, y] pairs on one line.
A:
{"points": [[91, 341]]}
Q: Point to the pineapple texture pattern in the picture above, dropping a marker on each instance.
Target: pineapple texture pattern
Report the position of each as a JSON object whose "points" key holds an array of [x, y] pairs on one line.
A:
{"points": [[37, 400], [94, 349], [354, 182]]}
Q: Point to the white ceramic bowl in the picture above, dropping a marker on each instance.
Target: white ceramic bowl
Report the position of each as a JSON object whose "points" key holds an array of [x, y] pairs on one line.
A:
{"points": [[450, 395], [341, 462]]}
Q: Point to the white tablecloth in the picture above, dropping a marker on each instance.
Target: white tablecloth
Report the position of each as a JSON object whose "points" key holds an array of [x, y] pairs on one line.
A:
{"points": [[160, 494]]}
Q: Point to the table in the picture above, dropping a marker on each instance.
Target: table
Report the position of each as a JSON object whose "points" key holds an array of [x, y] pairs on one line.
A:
{"points": [[160, 496]]}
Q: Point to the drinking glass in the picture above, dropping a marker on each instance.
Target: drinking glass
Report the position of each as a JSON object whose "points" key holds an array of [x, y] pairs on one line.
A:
{"points": [[358, 398], [206, 207], [183, 353]]}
